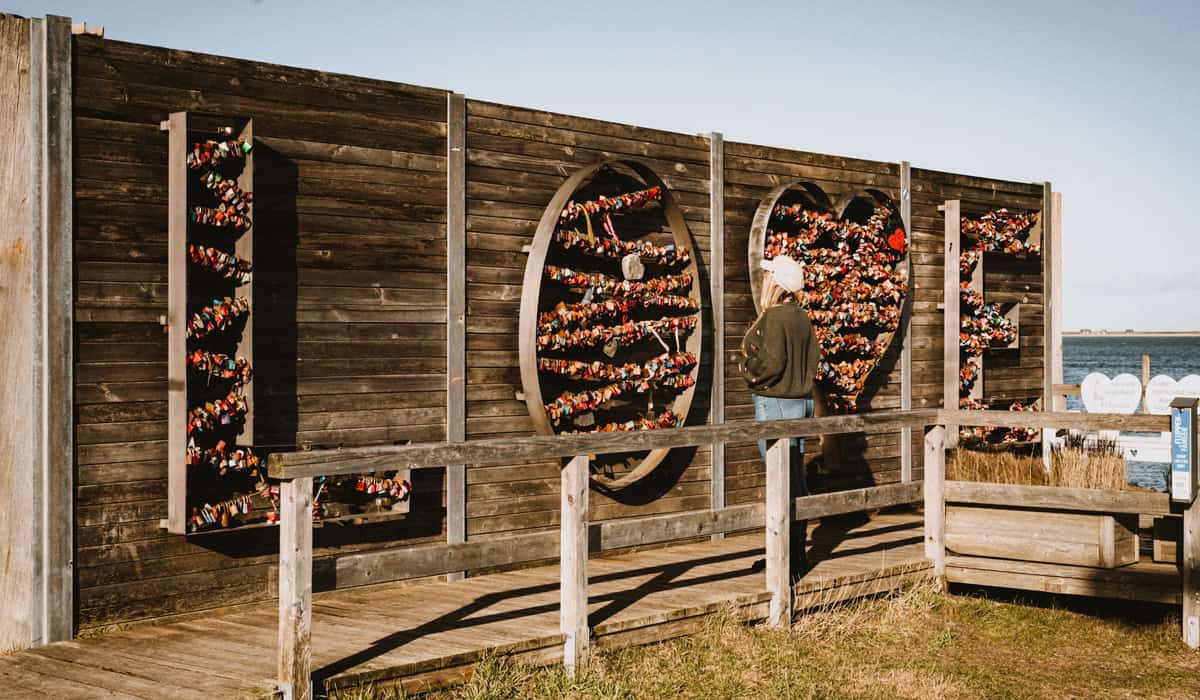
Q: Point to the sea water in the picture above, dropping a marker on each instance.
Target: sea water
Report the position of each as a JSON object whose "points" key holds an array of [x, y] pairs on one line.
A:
{"points": [[1175, 357]]}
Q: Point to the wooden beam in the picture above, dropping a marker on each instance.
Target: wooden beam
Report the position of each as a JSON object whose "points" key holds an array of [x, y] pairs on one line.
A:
{"points": [[824, 505], [1051, 257], [177, 318], [906, 366], [54, 333], [1056, 307], [716, 271], [1057, 498], [286, 465], [935, 501], [1049, 253], [244, 249], [1145, 582], [778, 533], [1044, 419], [18, 450], [456, 313], [573, 585], [295, 588], [952, 231]]}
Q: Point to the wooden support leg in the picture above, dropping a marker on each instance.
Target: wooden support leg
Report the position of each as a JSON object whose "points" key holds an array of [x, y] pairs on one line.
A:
{"points": [[573, 597], [1191, 575], [779, 531], [935, 502], [295, 588]]}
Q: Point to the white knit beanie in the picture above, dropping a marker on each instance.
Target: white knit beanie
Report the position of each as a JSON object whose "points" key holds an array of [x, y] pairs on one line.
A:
{"points": [[788, 273]]}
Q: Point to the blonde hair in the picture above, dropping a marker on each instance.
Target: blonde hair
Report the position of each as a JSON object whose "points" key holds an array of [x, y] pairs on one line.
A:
{"points": [[772, 293]]}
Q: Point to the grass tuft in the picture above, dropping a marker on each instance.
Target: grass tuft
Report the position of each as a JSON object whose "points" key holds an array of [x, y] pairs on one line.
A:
{"points": [[1095, 464]]}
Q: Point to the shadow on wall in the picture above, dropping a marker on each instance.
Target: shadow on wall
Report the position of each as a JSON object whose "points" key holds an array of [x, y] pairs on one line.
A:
{"points": [[277, 357]]}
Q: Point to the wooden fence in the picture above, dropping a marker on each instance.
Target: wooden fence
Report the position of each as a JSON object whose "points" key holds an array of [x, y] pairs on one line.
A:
{"points": [[577, 536]]}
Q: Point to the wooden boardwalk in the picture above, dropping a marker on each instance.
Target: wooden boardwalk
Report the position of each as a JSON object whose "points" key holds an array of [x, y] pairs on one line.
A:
{"points": [[427, 635]]}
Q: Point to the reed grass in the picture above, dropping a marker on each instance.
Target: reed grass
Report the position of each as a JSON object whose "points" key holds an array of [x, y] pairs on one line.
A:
{"points": [[1078, 463]]}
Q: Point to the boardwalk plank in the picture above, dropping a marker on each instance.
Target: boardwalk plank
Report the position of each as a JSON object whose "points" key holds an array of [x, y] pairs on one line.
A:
{"points": [[427, 634]]}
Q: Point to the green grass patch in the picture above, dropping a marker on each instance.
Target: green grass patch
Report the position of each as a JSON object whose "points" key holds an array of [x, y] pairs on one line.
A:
{"points": [[915, 644]]}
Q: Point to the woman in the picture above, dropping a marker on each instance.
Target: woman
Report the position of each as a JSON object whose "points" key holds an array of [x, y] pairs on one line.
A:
{"points": [[780, 357]]}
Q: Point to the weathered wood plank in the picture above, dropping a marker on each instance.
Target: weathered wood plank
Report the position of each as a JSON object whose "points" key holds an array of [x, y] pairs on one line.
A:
{"points": [[177, 318], [1191, 575], [1147, 582], [54, 332], [951, 210], [778, 513], [573, 576], [295, 588], [1044, 419], [456, 312], [1057, 498], [292, 464], [906, 360], [17, 450], [716, 272], [935, 501]]}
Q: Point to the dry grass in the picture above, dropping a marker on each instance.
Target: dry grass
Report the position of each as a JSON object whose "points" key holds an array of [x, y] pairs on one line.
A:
{"points": [[914, 644], [1091, 465]]}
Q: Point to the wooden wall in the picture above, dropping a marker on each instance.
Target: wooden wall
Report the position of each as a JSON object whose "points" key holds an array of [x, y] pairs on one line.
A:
{"points": [[16, 338], [516, 160], [351, 296], [1008, 374], [750, 173], [349, 302]]}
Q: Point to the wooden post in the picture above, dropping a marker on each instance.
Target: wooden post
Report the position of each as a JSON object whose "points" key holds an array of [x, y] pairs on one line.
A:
{"points": [[456, 314], [295, 588], [1191, 575], [19, 465], [1052, 256], [953, 232], [1049, 253], [1145, 379], [778, 533], [1056, 301], [716, 271], [53, 328], [935, 502], [573, 543], [906, 367]]}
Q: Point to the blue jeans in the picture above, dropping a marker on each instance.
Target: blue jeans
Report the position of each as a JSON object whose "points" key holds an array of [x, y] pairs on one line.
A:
{"points": [[770, 408]]}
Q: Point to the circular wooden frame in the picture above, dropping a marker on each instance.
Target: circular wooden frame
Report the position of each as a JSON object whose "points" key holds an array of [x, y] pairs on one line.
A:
{"points": [[531, 294]]}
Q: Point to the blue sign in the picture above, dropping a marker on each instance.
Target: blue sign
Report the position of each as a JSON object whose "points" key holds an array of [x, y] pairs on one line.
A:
{"points": [[1181, 454]]}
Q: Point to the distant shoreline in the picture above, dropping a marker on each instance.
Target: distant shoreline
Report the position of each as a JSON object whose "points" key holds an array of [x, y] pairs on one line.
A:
{"points": [[1131, 334]]}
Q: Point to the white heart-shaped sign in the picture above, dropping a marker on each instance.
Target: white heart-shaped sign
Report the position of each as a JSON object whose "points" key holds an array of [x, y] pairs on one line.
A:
{"points": [[1121, 394], [1189, 386], [1160, 391]]}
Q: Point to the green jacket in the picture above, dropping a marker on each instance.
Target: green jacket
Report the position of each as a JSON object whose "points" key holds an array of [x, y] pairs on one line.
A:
{"points": [[780, 353]]}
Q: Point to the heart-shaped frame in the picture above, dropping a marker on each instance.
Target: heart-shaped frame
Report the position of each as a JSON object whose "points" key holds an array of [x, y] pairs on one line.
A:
{"points": [[873, 338]]}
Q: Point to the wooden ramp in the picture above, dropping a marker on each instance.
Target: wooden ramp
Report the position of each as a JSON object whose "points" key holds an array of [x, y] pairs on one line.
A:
{"points": [[427, 635]]}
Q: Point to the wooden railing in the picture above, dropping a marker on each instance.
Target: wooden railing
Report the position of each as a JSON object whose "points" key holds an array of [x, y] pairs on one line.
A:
{"points": [[577, 537]]}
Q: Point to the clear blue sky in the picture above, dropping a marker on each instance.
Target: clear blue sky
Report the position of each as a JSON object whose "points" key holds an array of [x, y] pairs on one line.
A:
{"points": [[1102, 99]]}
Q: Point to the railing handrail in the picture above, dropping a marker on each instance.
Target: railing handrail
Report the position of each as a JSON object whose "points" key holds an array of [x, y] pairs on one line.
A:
{"points": [[354, 460], [1058, 419], [289, 465]]}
